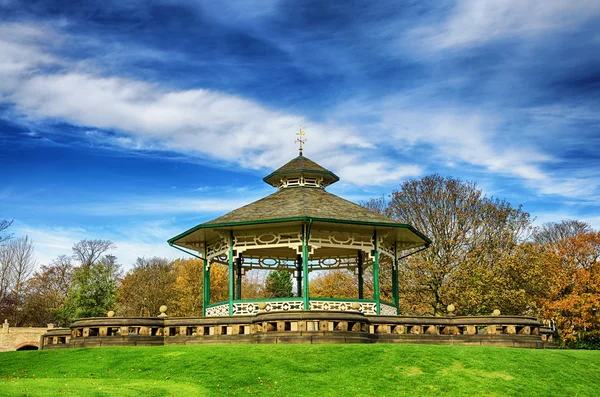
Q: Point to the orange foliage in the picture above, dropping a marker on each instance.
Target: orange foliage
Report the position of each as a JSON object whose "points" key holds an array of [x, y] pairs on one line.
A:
{"points": [[334, 284], [575, 295]]}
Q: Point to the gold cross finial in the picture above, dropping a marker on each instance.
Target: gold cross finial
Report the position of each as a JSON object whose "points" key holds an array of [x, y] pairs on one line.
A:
{"points": [[300, 139]]}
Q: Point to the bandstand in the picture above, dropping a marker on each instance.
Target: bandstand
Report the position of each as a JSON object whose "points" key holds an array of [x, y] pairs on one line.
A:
{"points": [[301, 228]]}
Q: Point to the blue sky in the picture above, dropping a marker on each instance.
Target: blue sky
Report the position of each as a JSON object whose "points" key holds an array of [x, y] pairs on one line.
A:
{"points": [[135, 120]]}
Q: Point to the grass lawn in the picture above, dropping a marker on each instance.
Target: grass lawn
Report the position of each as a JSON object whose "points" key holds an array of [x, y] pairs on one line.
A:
{"points": [[306, 370]]}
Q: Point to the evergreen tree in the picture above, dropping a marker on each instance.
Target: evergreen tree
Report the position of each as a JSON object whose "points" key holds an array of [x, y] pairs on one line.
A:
{"points": [[279, 284]]}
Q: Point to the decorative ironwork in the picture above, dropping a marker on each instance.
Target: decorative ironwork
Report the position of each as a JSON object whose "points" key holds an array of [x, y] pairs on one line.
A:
{"points": [[277, 238], [387, 310], [218, 248], [337, 239], [301, 181], [340, 262], [257, 262], [247, 308], [364, 307], [386, 247], [218, 311]]}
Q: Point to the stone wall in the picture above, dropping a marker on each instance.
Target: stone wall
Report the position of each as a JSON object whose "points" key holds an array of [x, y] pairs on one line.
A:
{"points": [[15, 338]]}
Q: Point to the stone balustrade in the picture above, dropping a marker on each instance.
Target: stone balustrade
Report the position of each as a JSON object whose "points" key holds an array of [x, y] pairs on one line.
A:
{"points": [[302, 327]]}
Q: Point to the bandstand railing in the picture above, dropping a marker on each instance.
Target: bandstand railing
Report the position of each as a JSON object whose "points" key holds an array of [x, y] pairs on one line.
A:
{"points": [[272, 305]]}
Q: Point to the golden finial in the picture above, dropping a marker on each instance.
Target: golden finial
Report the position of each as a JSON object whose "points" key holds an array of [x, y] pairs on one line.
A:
{"points": [[300, 139]]}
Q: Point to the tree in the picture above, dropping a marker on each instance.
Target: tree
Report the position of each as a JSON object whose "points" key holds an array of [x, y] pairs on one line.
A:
{"points": [[4, 224], [46, 292], [334, 284], [465, 226], [555, 233], [219, 283], [188, 287], [147, 286], [16, 265], [94, 289], [574, 301], [279, 284], [87, 252]]}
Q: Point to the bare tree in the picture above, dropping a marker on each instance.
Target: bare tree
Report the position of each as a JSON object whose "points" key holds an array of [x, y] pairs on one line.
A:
{"points": [[4, 224], [16, 265], [552, 233], [89, 251]]}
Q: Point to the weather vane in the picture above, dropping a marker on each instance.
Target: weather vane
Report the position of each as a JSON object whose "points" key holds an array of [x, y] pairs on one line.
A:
{"points": [[300, 139]]}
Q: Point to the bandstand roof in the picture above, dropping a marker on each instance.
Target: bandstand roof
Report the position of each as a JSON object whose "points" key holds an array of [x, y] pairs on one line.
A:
{"points": [[297, 204]]}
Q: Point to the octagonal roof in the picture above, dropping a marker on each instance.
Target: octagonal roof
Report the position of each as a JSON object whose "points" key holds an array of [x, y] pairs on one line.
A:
{"points": [[299, 203]]}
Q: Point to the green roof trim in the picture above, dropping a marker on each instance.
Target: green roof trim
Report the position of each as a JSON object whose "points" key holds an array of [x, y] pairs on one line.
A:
{"points": [[302, 218], [276, 173]]}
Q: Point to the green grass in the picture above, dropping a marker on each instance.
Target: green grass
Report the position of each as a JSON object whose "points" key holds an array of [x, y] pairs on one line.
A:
{"points": [[307, 370]]}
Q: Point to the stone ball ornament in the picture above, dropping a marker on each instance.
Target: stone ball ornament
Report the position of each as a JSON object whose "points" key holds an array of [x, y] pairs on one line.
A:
{"points": [[356, 306], [163, 311], [451, 308], [110, 314], [496, 312], [262, 306]]}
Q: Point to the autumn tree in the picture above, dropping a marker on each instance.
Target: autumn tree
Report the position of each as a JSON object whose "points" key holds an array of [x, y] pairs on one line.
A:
{"points": [[188, 288], [219, 283], [575, 292], [334, 284], [279, 284], [46, 292], [147, 286], [465, 226]]}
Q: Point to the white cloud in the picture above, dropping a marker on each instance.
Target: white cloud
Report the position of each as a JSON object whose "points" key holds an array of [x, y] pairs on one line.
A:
{"points": [[197, 122], [146, 239], [478, 21], [162, 205]]}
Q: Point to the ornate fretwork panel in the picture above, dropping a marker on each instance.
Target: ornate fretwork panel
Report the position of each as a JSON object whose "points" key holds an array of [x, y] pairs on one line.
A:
{"points": [[349, 262], [275, 238], [301, 181], [218, 311], [246, 308], [385, 247], [368, 308], [336, 239], [331, 306], [252, 262], [218, 248], [387, 310], [365, 307]]}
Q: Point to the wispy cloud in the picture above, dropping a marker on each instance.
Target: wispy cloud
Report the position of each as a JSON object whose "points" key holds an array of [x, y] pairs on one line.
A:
{"points": [[141, 240], [472, 22]]}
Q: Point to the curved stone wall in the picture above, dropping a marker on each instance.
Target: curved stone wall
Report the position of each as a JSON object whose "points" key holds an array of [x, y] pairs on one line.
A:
{"points": [[302, 327]]}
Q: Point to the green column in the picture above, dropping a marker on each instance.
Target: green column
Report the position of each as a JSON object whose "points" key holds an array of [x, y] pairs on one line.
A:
{"points": [[376, 274], [231, 275], [299, 275], [395, 293], [238, 287], [360, 276], [206, 283], [305, 267]]}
